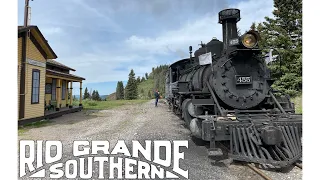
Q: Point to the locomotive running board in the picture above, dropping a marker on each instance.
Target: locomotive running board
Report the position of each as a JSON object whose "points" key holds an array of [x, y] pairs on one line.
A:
{"points": [[246, 145]]}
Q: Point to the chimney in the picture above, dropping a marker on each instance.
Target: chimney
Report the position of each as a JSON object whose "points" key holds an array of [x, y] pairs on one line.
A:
{"points": [[229, 18]]}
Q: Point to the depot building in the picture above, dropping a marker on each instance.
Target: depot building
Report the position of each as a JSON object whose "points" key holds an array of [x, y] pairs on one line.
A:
{"points": [[44, 84]]}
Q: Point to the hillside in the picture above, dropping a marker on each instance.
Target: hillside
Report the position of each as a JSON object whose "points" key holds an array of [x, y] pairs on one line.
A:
{"points": [[111, 96], [144, 88]]}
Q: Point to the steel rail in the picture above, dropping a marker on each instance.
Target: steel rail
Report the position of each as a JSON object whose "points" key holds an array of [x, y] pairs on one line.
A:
{"points": [[262, 174]]}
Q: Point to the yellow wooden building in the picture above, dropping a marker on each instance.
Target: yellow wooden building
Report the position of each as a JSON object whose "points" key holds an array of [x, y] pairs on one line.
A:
{"points": [[44, 85]]}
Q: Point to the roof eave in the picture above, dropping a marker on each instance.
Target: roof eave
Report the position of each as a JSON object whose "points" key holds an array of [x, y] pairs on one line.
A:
{"points": [[52, 54], [60, 66]]}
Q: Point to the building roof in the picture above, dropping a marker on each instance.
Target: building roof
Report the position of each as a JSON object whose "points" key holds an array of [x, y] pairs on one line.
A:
{"points": [[61, 74], [39, 37], [57, 64]]}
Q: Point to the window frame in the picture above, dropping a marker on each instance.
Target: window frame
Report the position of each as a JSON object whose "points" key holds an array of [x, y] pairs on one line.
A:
{"points": [[32, 86], [54, 89], [63, 90]]}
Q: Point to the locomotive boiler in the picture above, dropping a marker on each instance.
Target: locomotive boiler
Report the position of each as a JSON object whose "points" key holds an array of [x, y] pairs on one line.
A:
{"points": [[224, 94]]}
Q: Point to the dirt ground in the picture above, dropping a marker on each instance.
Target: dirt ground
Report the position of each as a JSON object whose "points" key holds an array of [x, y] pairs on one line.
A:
{"points": [[142, 122]]}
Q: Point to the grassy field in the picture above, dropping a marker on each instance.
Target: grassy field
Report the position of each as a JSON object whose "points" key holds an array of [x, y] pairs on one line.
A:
{"points": [[298, 104], [100, 105]]}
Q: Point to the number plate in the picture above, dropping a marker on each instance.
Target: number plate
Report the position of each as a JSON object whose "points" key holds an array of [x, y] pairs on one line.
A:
{"points": [[243, 79]]}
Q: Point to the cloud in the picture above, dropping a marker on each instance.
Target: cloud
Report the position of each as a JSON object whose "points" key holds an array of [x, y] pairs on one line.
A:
{"points": [[202, 29], [103, 40], [52, 30]]}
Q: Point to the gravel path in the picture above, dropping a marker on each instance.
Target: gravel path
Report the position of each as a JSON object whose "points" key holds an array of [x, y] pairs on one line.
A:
{"points": [[141, 122]]}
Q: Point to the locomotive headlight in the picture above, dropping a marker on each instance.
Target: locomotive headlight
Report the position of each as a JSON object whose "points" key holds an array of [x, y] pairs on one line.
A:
{"points": [[249, 40]]}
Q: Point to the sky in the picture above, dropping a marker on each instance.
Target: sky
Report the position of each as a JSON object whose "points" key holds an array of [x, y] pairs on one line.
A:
{"points": [[104, 39]]}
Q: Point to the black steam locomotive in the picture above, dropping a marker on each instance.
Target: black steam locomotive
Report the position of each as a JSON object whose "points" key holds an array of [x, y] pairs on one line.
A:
{"points": [[224, 94]]}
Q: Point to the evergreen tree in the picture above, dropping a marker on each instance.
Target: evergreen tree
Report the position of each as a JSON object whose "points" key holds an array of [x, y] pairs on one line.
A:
{"points": [[143, 79], [86, 94], [118, 91], [121, 90], [93, 96], [138, 80], [284, 34], [131, 90], [146, 75], [97, 96], [253, 26]]}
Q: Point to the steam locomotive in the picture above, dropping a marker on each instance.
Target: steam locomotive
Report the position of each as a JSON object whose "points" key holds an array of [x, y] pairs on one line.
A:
{"points": [[224, 94]]}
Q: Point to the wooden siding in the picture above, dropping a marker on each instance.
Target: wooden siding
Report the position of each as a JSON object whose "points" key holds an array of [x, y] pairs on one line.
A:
{"points": [[19, 68], [33, 53], [34, 110]]}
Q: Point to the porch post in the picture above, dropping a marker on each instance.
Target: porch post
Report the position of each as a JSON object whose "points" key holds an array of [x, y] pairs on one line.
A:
{"points": [[80, 100], [71, 97], [58, 94], [67, 93]]}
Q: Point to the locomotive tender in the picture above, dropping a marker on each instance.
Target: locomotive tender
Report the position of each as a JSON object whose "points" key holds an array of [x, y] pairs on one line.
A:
{"points": [[224, 94]]}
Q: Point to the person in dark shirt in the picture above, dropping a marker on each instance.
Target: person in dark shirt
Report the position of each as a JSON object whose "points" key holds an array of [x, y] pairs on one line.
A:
{"points": [[157, 96]]}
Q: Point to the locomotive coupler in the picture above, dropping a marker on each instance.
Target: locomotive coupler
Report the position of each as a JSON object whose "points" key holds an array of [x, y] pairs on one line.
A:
{"points": [[213, 150]]}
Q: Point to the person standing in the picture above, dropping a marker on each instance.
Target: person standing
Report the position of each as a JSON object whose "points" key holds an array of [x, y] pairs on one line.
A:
{"points": [[157, 96]]}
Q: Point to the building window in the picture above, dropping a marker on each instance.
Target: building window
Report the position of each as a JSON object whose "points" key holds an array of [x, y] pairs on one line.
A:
{"points": [[35, 86], [63, 90], [54, 89]]}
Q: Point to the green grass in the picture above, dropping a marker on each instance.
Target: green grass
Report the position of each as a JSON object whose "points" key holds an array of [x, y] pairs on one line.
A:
{"points": [[25, 128], [298, 104], [109, 104]]}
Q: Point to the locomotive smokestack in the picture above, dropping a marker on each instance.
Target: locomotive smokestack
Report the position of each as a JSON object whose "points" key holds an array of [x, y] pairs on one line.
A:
{"points": [[229, 18]]}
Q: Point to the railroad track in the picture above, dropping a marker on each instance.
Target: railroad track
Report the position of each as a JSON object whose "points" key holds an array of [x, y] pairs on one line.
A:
{"points": [[257, 170], [264, 175]]}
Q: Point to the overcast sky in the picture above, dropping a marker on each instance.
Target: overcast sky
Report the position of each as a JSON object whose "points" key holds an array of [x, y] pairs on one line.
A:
{"points": [[104, 39]]}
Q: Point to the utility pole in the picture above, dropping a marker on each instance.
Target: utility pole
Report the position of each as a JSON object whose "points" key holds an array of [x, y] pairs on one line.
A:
{"points": [[26, 12], [23, 64]]}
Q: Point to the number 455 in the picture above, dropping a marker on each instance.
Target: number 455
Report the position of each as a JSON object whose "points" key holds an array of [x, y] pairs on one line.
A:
{"points": [[244, 79]]}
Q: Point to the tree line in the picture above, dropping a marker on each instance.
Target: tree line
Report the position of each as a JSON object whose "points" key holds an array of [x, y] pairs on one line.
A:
{"points": [[94, 95]]}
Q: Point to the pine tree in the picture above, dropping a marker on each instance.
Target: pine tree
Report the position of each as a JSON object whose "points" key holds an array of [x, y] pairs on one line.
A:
{"points": [[86, 94], [138, 80], [146, 75], [97, 96], [284, 34], [93, 96], [253, 26], [121, 90], [131, 90], [118, 91], [143, 79]]}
